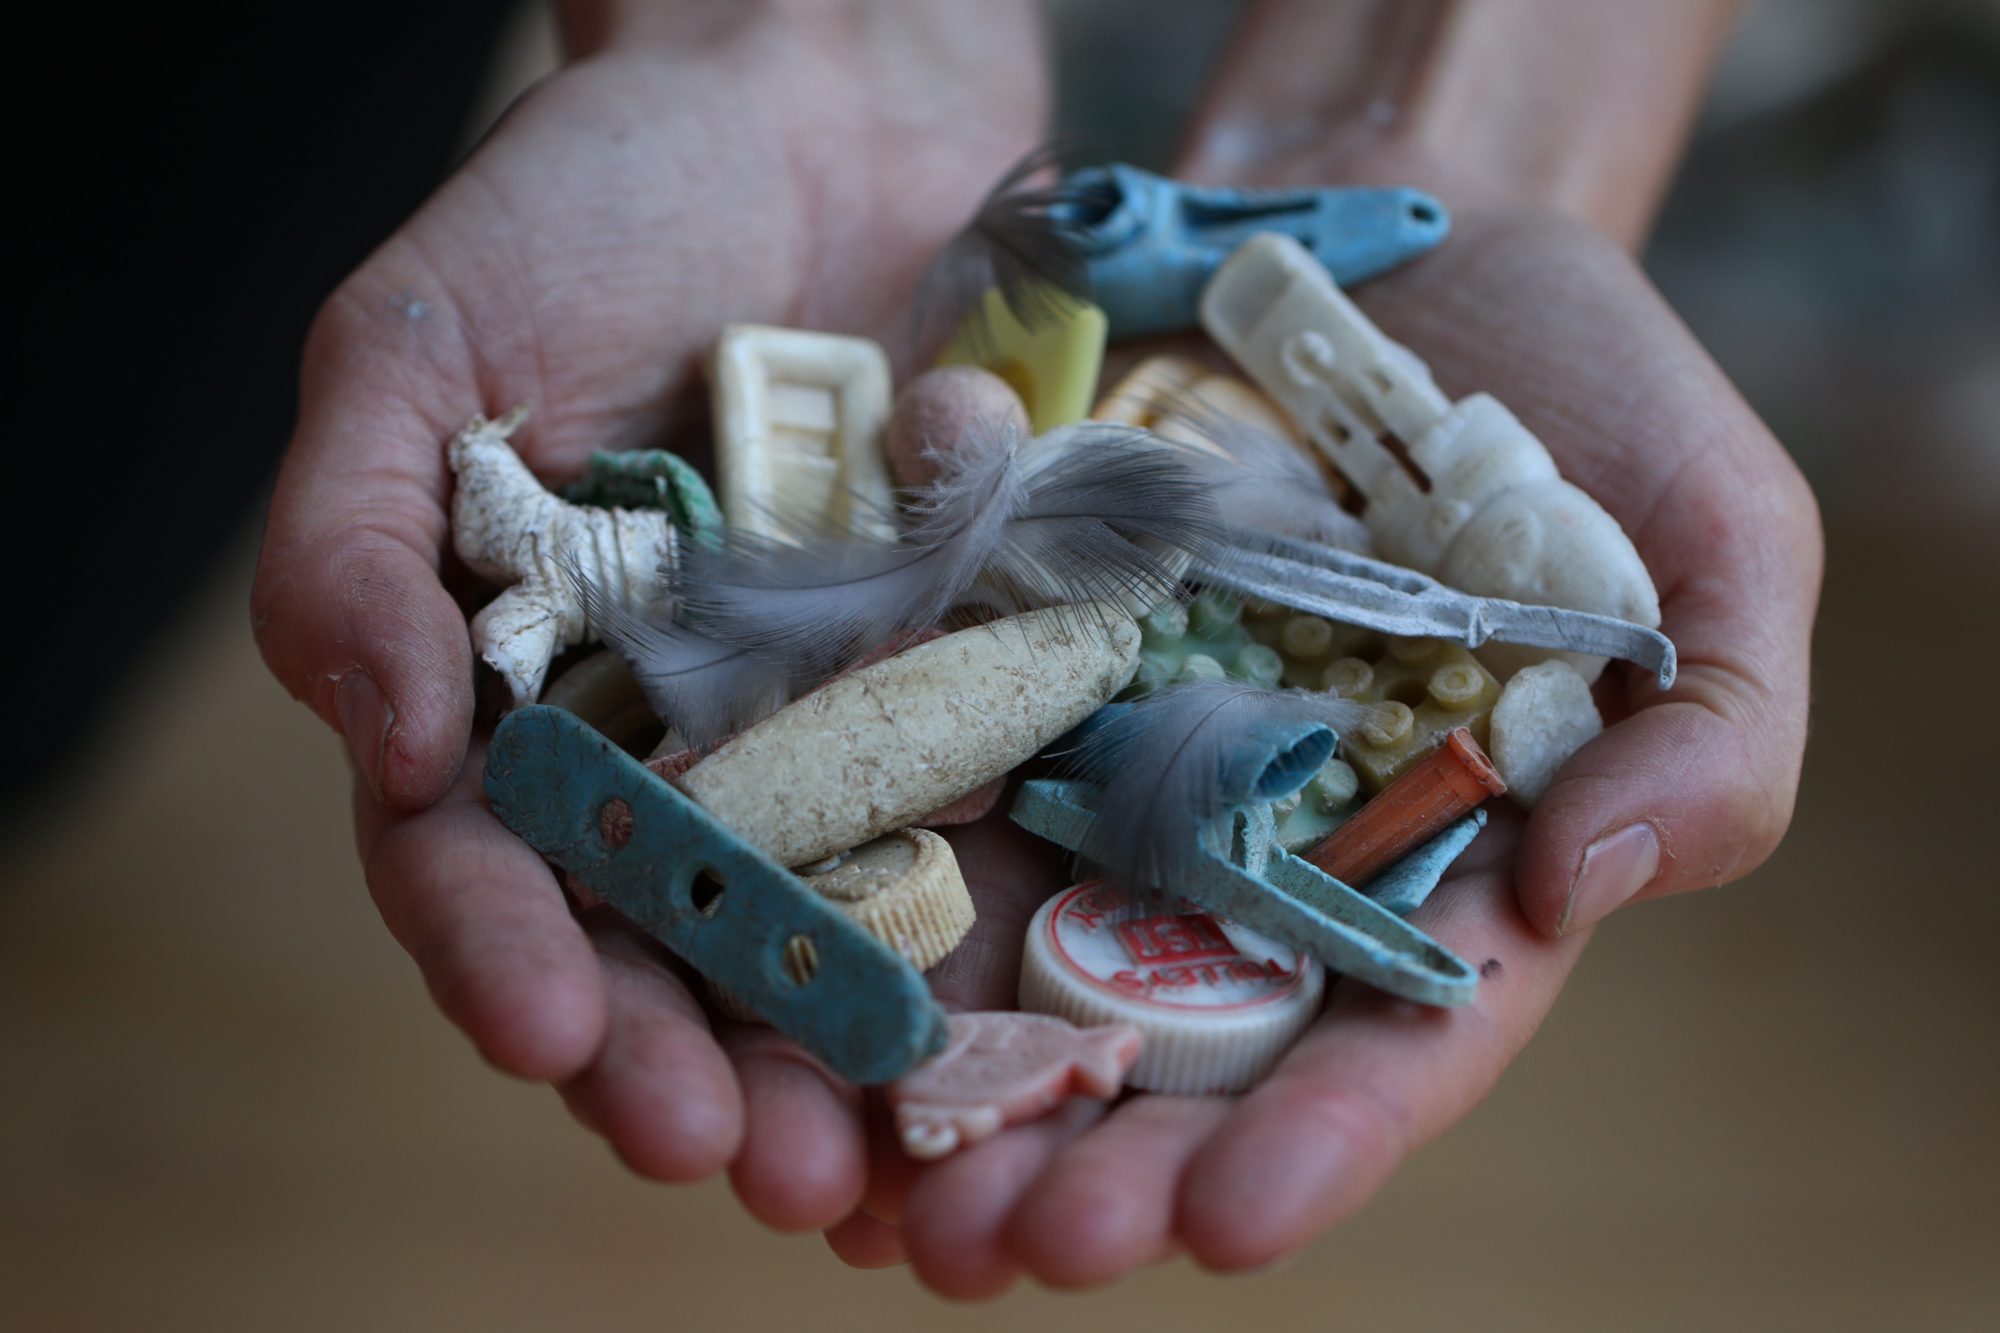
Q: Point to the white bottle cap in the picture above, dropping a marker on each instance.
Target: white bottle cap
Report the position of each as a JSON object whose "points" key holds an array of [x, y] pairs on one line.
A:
{"points": [[1217, 1004]]}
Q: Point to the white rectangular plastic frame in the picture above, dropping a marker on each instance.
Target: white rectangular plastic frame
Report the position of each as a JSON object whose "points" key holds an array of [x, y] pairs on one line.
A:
{"points": [[799, 418]]}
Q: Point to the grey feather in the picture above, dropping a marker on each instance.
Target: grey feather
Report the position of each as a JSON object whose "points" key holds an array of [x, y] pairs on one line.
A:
{"points": [[1103, 512], [1170, 766], [1262, 483], [704, 688], [1034, 527], [1025, 240]]}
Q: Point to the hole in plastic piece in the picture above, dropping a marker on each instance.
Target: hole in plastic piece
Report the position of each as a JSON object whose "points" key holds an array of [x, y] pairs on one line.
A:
{"points": [[1423, 213], [614, 823], [1401, 453], [801, 959], [706, 893], [1409, 693]]}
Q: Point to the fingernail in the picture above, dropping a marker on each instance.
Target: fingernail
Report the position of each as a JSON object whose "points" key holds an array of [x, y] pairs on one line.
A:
{"points": [[1614, 868], [365, 719]]}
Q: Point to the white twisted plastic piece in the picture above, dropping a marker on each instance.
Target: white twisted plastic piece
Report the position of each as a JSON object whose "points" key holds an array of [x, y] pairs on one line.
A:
{"points": [[510, 530]]}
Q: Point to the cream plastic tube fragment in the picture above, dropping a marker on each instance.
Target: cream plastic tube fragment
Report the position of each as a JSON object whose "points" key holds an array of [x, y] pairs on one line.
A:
{"points": [[873, 750]]}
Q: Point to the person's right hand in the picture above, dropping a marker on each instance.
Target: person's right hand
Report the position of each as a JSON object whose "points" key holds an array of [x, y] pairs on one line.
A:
{"points": [[699, 165]]}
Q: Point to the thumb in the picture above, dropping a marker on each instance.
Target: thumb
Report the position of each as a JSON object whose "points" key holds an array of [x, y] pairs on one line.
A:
{"points": [[1696, 787], [347, 606]]}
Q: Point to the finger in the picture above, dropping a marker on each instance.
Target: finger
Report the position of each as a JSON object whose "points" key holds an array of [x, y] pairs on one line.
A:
{"points": [[891, 1171], [955, 1219], [804, 1160], [1476, 97], [347, 606], [1372, 1080], [861, 1240], [1105, 1205], [1295, 85], [660, 1090], [481, 915]]}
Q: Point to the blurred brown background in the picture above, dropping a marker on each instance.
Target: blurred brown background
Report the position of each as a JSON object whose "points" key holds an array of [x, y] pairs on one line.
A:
{"points": [[229, 1105]]}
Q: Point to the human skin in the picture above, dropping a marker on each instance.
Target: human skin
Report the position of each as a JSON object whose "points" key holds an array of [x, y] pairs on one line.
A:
{"points": [[610, 226]]}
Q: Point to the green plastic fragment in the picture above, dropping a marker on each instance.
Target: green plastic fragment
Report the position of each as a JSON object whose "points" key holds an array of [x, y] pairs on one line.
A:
{"points": [[651, 479], [1200, 666], [1213, 614], [1204, 639]]}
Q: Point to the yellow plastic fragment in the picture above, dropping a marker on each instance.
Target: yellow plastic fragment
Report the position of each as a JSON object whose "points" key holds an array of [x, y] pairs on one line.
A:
{"points": [[1054, 368], [1428, 688]]}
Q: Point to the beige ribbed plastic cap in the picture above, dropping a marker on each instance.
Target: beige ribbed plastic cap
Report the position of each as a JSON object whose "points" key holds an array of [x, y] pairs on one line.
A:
{"points": [[1217, 1004], [904, 888]]}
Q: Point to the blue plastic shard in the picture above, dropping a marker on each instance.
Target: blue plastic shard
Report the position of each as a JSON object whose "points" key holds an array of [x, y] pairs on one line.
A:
{"points": [[1404, 886], [740, 919], [1293, 902], [1392, 599], [1152, 243]]}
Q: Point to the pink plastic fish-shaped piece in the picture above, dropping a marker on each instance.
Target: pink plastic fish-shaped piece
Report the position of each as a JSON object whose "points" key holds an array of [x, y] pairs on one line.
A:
{"points": [[999, 1069]]}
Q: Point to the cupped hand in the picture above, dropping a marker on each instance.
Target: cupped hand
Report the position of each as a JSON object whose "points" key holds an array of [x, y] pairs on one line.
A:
{"points": [[737, 165], [1558, 322]]}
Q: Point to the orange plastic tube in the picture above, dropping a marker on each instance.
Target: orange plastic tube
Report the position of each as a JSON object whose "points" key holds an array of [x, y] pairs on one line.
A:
{"points": [[1439, 790]]}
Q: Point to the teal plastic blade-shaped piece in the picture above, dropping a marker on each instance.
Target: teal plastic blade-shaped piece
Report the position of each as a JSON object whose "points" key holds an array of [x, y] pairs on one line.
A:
{"points": [[1292, 901], [740, 919]]}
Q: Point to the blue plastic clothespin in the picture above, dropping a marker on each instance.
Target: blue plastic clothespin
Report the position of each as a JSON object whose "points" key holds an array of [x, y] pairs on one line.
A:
{"points": [[1298, 904], [743, 921], [1153, 243]]}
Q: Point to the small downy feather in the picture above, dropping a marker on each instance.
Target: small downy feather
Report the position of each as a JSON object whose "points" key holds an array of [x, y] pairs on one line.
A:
{"points": [[1098, 519], [704, 688], [1025, 240], [1170, 765], [1262, 484], [1106, 512]]}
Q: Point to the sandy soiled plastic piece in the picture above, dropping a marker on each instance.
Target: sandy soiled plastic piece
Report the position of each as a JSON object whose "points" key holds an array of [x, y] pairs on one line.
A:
{"points": [[1544, 716], [798, 431], [1001, 1069], [1460, 490], [672, 760], [874, 750], [510, 529]]}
